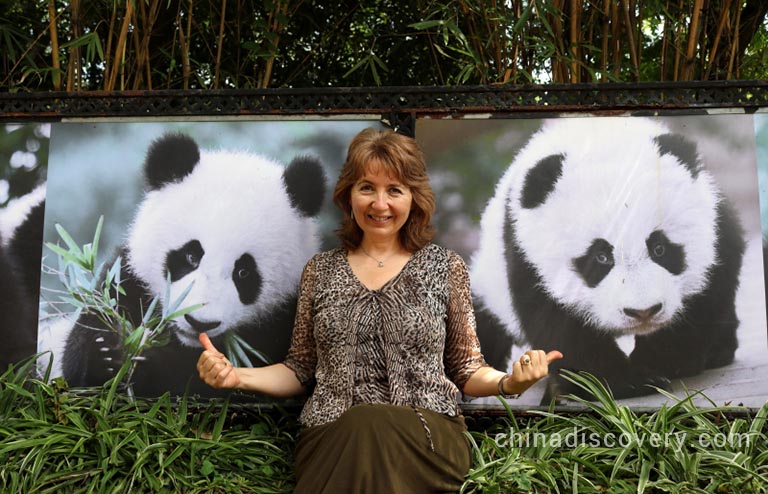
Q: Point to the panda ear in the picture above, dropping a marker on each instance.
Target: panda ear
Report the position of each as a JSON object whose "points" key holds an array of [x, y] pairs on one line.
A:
{"points": [[170, 159], [305, 182], [540, 180], [682, 149]]}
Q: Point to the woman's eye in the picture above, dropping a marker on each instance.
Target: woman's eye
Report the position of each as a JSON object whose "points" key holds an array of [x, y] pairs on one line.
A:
{"points": [[395, 191], [659, 250]]}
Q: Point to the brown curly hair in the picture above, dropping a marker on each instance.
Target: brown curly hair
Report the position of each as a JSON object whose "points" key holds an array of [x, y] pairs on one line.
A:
{"points": [[401, 157]]}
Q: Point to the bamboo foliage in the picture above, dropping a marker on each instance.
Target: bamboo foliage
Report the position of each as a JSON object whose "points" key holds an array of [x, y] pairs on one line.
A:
{"points": [[148, 44], [185, 34], [74, 64], [278, 16], [55, 65], [147, 17], [600, 40], [220, 43]]}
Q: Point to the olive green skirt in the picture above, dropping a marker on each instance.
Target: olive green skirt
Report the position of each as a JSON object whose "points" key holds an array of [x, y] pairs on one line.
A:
{"points": [[384, 449]]}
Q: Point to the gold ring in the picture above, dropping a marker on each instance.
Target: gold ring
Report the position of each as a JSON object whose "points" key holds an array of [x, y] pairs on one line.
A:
{"points": [[526, 360]]}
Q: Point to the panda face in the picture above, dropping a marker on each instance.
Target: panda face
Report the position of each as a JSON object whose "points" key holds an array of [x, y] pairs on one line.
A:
{"points": [[228, 231], [237, 286], [616, 218]]}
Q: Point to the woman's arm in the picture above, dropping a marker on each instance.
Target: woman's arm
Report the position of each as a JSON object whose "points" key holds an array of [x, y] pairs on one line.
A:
{"points": [[217, 371], [282, 380], [485, 381], [464, 362]]}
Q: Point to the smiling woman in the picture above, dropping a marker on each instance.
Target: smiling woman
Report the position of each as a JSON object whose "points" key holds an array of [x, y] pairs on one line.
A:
{"points": [[384, 339], [380, 204]]}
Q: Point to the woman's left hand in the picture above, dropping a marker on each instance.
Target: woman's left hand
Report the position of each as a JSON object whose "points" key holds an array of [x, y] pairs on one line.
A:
{"points": [[529, 368]]}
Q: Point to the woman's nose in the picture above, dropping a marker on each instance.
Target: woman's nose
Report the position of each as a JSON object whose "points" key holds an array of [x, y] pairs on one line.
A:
{"points": [[380, 201]]}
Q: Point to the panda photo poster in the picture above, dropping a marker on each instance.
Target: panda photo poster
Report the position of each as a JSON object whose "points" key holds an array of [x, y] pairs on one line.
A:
{"points": [[205, 225], [631, 244]]}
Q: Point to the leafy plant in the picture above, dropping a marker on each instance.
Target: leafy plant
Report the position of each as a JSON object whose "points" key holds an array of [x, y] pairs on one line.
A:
{"points": [[55, 440], [608, 447]]}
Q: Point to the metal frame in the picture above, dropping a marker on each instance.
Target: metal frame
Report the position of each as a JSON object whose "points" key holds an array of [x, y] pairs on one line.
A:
{"points": [[397, 104]]}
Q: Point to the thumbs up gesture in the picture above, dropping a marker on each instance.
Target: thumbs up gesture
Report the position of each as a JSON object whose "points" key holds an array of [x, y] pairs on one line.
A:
{"points": [[214, 367]]}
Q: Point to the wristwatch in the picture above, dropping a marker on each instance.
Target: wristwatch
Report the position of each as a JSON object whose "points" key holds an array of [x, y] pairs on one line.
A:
{"points": [[504, 395]]}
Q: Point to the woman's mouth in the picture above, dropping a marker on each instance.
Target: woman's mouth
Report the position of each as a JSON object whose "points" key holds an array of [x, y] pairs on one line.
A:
{"points": [[379, 219]]}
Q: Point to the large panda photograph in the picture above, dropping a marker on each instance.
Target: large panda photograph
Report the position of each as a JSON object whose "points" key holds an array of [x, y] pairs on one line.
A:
{"points": [[632, 244], [201, 227]]}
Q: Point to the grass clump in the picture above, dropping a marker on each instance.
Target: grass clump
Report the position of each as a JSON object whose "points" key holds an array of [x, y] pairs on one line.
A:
{"points": [[608, 447], [55, 440]]}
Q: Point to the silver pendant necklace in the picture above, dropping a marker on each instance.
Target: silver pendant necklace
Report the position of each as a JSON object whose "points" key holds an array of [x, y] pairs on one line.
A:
{"points": [[380, 262]]}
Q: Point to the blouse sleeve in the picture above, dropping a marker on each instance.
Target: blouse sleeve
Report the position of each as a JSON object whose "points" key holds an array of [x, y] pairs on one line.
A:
{"points": [[302, 356], [462, 348]]}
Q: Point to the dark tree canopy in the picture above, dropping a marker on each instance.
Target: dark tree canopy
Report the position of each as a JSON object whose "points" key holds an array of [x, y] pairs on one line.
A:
{"points": [[174, 44]]}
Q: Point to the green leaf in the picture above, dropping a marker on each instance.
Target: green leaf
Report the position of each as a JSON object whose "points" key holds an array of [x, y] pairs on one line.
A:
{"points": [[207, 468], [426, 24], [71, 244]]}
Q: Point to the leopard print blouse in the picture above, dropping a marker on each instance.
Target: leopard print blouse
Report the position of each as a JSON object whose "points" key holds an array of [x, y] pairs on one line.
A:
{"points": [[411, 342]]}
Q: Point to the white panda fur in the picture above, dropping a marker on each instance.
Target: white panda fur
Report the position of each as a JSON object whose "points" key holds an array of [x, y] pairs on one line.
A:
{"points": [[208, 215], [613, 184], [18, 211], [21, 240]]}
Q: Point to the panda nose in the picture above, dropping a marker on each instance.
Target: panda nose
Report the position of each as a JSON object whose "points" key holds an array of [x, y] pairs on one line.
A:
{"points": [[200, 326], [643, 315]]}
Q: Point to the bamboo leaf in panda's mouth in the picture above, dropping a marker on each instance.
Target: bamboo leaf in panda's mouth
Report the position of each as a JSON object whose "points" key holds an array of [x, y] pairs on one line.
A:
{"points": [[238, 351]]}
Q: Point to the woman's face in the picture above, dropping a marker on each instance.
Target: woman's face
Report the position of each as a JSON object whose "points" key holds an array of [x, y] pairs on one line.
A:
{"points": [[380, 204]]}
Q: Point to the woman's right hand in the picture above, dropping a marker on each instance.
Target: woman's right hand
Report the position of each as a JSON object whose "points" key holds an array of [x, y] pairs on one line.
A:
{"points": [[214, 368]]}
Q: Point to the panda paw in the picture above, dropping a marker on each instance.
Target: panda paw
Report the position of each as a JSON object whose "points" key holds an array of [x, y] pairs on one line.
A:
{"points": [[109, 358]]}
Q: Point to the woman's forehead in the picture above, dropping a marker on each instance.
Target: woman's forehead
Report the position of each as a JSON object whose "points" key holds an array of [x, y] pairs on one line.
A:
{"points": [[381, 171]]}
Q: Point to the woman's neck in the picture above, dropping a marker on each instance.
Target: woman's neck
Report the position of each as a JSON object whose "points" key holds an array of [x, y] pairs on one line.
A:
{"points": [[382, 248], [375, 267]]}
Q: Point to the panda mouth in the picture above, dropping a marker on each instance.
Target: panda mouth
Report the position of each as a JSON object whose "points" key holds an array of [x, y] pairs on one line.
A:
{"points": [[643, 328], [201, 326]]}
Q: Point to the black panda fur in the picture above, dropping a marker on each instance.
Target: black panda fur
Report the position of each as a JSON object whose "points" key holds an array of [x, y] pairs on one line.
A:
{"points": [[270, 222], [701, 334], [21, 244]]}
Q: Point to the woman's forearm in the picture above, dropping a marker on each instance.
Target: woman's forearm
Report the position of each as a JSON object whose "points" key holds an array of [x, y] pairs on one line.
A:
{"points": [[275, 380], [485, 382]]}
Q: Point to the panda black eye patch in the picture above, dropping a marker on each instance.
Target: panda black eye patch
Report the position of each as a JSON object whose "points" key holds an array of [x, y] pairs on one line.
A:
{"points": [[183, 261], [247, 279], [666, 254], [595, 263]]}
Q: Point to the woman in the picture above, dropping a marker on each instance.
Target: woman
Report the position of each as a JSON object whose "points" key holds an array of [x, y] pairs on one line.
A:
{"points": [[384, 339]]}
